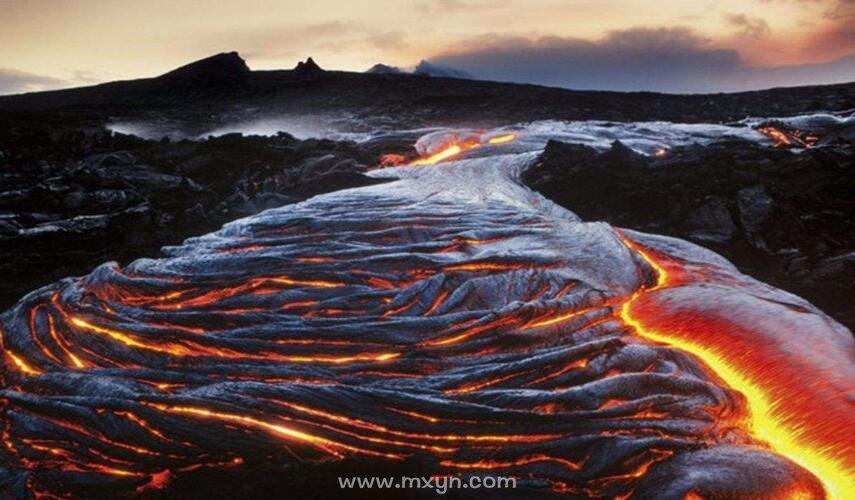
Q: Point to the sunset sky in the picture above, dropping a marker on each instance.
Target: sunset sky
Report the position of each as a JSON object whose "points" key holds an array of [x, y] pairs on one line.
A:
{"points": [[670, 45]]}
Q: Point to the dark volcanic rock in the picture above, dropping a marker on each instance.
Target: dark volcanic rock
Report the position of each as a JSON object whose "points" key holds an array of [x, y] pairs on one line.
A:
{"points": [[63, 210], [712, 221], [784, 217], [755, 207], [210, 92], [225, 67], [308, 67]]}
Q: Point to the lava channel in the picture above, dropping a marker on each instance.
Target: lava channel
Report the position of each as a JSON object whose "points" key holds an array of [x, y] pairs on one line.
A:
{"points": [[451, 322]]}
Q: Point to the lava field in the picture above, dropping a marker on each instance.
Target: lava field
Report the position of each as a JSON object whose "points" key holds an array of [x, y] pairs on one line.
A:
{"points": [[447, 322]]}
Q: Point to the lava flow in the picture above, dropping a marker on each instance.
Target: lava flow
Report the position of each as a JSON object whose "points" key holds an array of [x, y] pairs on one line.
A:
{"points": [[450, 322], [811, 429], [456, 146], [787, 137]]}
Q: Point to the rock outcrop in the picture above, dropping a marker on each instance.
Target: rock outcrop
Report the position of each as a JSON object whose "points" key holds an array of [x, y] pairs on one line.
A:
{"points": [[308, 67], [784, 217], [221, 68]]}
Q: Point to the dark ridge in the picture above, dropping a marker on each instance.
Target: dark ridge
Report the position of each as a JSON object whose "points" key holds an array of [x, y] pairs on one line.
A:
{"points": [[212, 91], [224, 67], [212, 79], [308, 67]]}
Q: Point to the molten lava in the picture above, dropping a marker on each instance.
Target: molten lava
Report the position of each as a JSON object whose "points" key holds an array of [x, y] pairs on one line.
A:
{"points": [[444, 154], [458, 146], [501, 139], [787, 137], [812, 430]]}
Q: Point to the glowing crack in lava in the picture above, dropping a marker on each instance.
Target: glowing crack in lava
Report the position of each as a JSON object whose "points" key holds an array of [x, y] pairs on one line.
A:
{"points": [[454, 146], [450, 322], [787, 136], [811, 429]]}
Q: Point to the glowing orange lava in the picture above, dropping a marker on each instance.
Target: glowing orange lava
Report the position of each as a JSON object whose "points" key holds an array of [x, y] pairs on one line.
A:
{"points": [[324, 444], [458, 147], [811, 425], [776, 135], [502, 139], [444, 154], [788, 138], [495, 464], [22, 365]]}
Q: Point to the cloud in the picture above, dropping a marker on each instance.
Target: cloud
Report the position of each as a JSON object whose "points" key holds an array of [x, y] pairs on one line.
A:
{"points": [[13, 81], [387, 40], [836, 71], [669, 59], [278, 41], [840, 33], [749, 26], [825, 31], [85, 77], [675, 38], [436, 7], [673, 59], [295, 42], [427, 68]]}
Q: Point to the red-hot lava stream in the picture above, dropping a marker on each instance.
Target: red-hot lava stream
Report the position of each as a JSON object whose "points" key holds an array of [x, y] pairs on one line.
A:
{"points": [[805, 420], [458, 147]]}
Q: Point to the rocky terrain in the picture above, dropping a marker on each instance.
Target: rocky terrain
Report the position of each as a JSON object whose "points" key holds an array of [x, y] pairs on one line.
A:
{"points": [[449, 323], [782, 216], [74, 197], [221, 89]]}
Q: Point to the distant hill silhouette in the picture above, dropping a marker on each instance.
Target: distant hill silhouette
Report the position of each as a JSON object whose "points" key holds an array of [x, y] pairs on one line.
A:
{"points": [[308, 67], [384, 69], [222, 88], [224, 67]]}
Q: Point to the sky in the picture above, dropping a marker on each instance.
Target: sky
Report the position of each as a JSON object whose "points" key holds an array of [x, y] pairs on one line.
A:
{"points": [[660, 45]]}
